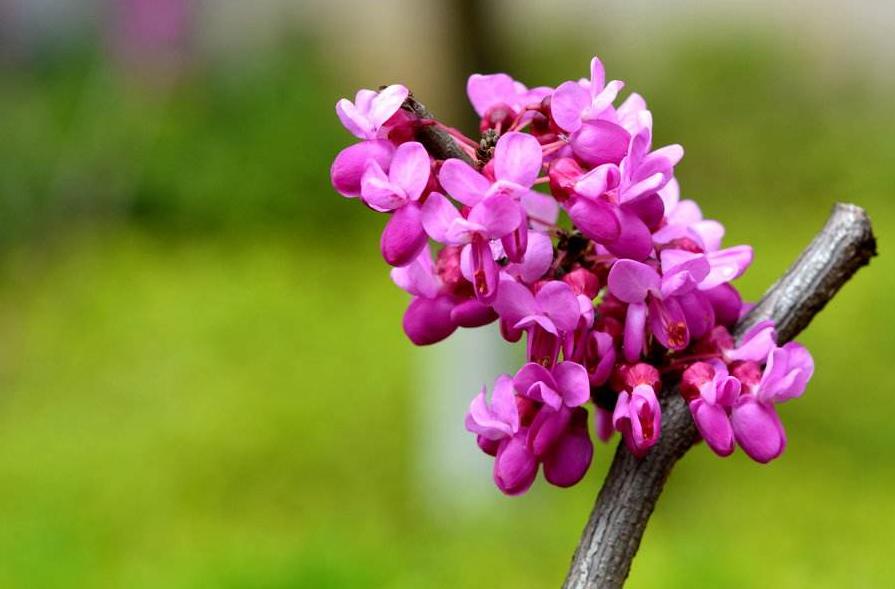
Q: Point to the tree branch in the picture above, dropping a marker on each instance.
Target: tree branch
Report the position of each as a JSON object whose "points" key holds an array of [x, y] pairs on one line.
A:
{"points": [[616, 525], [437, 142]]}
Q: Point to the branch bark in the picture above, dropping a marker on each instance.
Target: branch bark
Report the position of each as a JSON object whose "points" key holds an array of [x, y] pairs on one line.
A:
{"points": [[436, 141], [623, 507]]}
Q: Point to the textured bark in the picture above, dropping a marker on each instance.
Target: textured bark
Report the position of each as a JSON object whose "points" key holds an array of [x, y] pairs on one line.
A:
{"points": [[632, 487], [438, 143]]}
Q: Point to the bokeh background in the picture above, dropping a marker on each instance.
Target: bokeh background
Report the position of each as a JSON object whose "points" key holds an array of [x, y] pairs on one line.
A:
{"points": [[203, 381]]}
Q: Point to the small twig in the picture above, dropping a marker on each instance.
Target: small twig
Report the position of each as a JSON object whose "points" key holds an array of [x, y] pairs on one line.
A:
{"points": [[438, 142], [616, 525]]}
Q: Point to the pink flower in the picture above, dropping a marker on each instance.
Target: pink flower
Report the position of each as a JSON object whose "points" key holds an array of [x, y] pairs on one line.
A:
{"points": [[349, 166], [566, 384], [498, 99], [574, 103], [644, 290], [638, 273], [571, 453], [755, 422], [399, 192], [638, 417], [496, 208], [366, 116], [515, 467], [546, 316], [437, 308], [500, 418], [755, 345], [711, 392]]}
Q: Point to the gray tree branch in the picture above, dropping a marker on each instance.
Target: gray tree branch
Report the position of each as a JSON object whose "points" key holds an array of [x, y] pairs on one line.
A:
{"points": [[623, 507]]}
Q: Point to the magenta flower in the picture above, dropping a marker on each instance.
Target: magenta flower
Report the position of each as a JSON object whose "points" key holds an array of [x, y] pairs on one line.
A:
{"points": [[491, 218], [515, 467], [642, 287], [638, 417], [755, 345], [566, 384], [576, 103], [498, 99], [637, 274], [437, 308], [367, 115], [755, 422], [618, 206], [571, 453], [711, 392], [546, 316], [495, 213], [500, 418], [398, 192], [684, 221], [349, 166]]}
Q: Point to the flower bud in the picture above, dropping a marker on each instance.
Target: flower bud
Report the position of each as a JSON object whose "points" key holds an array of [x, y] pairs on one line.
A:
{"points": [[583, 282], [563, 174], [694, 377]]}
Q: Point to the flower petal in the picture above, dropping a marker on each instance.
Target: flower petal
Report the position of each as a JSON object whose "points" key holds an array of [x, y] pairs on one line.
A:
{"points": [[380, 194], [354, 120], [557, 300], [571, 455], [573, 383], [598, 181], [514, 301], [568, 102], [631, 281], [410, 169], [548, 426], [537, 260], [350, 164], [597, 75], [498, 214], [596, 219], [635, 326], [515, 467], [387, 103], [418, 278], [403, 237], [462, 182], [727, 265], [428, 321], [600, 142], [486, 91], [757, 429], [634, 241], [472, 313], [714, 426], [438, 217], [542, 210], [518, 158], [668, 323]]}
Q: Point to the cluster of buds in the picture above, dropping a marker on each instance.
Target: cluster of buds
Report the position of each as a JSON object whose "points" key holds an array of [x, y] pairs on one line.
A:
{"points": [[627, 297]]}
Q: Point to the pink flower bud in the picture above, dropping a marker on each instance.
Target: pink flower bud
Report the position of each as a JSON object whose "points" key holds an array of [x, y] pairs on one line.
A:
{"points": [[583, 282], [564, 173]]}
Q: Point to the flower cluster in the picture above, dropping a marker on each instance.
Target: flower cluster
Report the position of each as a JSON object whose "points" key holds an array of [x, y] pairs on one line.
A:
{"points": [[627, 295]]}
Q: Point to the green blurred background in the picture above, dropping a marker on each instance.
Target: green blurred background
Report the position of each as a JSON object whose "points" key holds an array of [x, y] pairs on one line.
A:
{"points": [[203, 380]]}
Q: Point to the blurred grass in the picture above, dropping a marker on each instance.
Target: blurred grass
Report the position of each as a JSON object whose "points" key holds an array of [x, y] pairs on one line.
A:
{"points": [[204, 382]]}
